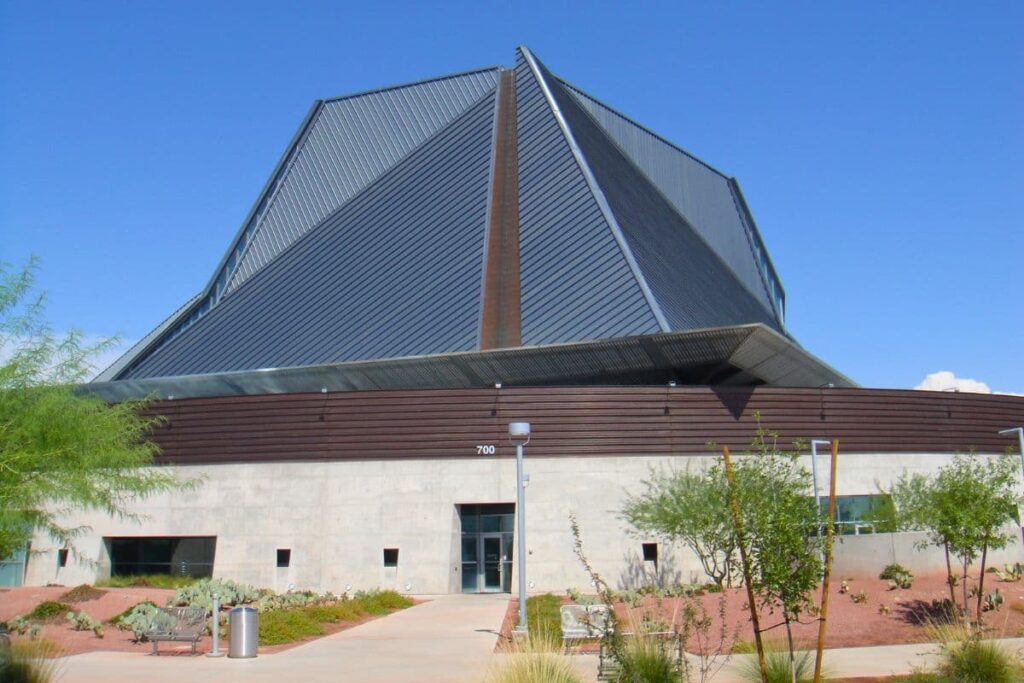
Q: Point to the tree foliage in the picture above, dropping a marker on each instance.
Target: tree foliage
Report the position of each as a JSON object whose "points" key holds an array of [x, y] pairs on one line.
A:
{"points": [[62, 450], [690, 508], [966, 509]]}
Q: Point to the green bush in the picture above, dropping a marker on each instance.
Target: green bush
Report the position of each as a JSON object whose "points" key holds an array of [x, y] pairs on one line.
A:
{"points": [[647, 659], [285, 626], [148, 581], [534, 660], [381, 602], [49, 611], [978, 661], [543, 615], [28, 663], [778, 667], [139, 619]]}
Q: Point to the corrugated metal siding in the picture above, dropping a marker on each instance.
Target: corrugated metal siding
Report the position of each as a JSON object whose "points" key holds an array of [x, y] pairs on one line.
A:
{"points": [[693, 286], [700, 193], [351, 142], [576, 283], [574, 421], [395, 272]]}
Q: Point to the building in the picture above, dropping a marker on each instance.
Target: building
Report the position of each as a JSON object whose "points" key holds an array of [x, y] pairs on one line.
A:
{"points": [[432, 261]]}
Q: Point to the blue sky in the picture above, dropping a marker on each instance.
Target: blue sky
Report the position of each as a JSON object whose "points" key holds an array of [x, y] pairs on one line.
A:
{"points": [[878, 144]]}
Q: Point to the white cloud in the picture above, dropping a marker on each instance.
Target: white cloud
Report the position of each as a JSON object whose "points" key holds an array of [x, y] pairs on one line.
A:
{"points": [[944, 380]]}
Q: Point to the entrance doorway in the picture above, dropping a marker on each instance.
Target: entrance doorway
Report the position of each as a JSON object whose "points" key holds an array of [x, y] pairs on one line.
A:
{"points": [[487, 547]]}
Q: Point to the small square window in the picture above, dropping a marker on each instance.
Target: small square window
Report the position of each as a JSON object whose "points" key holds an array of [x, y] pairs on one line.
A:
{"points": [[390, 557], [651, 552], [62, 558], [284, 557]]}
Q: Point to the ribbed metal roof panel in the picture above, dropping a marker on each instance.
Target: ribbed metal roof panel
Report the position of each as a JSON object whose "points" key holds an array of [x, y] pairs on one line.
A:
{"points": [[395, 272], [576, 283], [693, 286], [700, 193], [350, 142]]}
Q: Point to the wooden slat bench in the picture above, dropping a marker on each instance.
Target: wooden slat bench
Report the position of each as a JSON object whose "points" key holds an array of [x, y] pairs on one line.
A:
{"points": [[178, 624]]}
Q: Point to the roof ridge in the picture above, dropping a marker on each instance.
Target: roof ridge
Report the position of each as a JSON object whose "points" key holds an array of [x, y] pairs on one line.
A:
{"points": [[410, 84]]}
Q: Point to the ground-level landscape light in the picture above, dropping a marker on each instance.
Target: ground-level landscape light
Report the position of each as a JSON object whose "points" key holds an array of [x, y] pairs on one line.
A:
{"points": [[519, 434]]}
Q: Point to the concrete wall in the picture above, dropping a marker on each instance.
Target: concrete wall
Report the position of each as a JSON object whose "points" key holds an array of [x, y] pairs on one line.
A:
{"points": [[337, 517]]}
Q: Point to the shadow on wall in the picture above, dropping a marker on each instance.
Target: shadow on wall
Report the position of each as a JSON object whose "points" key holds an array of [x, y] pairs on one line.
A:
{"points": [[640, 573]]}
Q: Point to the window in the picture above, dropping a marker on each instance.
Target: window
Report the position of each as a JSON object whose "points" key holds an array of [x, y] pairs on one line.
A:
{"points": [[284, 557], [390, 557], [868, 514], [62, 558], [177, 555], [651, 553]]}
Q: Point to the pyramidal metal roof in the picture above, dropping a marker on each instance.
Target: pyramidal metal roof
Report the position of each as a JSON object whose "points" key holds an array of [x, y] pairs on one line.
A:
{"points": [[486, 211]]}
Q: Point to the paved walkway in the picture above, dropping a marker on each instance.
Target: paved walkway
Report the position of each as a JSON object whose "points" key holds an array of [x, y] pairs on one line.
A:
{"points": [[882, 660], [449, 639]]}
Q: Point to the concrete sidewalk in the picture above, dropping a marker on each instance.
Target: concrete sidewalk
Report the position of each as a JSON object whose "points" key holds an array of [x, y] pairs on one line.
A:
{"points": [[449, 639], [852, 662]]}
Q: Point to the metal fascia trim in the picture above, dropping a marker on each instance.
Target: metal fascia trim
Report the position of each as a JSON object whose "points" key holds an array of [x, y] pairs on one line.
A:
{"points": [[595, 189]]}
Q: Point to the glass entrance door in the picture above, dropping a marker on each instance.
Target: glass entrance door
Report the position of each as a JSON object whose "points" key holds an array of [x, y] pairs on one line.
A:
{"points": [[496, 549], [486, 548]]}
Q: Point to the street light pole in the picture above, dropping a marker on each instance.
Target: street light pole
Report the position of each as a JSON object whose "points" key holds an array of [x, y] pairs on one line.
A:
{"points": [[519, 434], [814, 478], [1020, 438]]}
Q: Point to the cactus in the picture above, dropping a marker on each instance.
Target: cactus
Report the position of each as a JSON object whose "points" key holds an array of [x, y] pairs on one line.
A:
{"points": [[993, 601], [80, 621]]}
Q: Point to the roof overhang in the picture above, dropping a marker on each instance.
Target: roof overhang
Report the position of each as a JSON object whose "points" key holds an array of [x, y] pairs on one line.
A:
{"points": [[731, 356]]}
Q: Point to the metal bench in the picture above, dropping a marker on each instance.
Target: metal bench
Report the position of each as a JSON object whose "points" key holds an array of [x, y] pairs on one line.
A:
{"points": [[583, 622], [178, 624]]}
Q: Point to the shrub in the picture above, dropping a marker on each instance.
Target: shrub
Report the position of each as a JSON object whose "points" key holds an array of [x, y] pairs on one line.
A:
{"points": [[28, 663], [277, 627], [200, 594], [139, 619], [83, 593], [978, 661], [148, 581], [80, 621], [48, 611], [381, 602], [779, 667], [544, 616], [533, 661], [891, 571], [648, 659]]}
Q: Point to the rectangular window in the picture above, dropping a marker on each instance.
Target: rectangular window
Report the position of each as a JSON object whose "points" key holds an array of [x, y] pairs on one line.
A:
{"points": [[284, 557], [866, 514], [62, 558], [175, 555], [651, 553], [390, 557]]}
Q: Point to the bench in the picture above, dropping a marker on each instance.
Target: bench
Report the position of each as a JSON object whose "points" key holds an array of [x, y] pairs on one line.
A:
{"points": [[583, 622], [178, 624]]}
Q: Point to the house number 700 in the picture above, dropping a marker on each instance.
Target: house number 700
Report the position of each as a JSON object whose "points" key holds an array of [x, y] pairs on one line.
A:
{"points": [[487, 449]]}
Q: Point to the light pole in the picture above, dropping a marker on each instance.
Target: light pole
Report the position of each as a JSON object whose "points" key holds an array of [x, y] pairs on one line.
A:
{"points": [[519, 434], [1020, 437], [814, 478]]}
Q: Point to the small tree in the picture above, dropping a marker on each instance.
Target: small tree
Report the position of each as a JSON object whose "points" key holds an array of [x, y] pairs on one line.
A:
{"points": [[780, 522], [61, 450], [965, 509], [692, 509]]}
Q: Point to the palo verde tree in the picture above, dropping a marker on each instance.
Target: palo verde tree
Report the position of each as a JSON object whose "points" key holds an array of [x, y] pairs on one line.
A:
{"points": [[62, 450], [691, 509], [779, 516], [965, 509]]}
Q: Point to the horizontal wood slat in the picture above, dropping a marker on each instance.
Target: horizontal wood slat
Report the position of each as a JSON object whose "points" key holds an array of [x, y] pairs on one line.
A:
{"points": [[571, 421]]}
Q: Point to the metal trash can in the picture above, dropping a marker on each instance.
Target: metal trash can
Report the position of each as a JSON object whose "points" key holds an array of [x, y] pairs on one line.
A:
{"points": [[245, 630]]}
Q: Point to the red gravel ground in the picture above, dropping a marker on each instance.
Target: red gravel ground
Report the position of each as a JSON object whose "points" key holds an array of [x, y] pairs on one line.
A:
{"points": [[21, 601], [849, 624]]}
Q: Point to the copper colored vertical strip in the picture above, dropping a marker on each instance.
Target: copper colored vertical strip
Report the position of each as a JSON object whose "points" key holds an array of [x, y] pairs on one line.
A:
{"points": [[500, 323]]}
